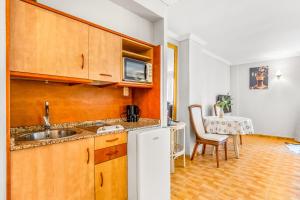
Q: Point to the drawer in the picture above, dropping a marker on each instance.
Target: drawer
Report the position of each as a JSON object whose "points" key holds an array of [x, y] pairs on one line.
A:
{"points": [[110, 140], [110, 153]]}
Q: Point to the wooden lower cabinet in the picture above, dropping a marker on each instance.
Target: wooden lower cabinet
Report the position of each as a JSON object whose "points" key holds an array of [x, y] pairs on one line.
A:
{"points": [[111, 179], [60, 171]]}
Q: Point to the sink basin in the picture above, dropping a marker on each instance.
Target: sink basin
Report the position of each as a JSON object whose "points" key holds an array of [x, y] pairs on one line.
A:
{"points": [[47, 135]]}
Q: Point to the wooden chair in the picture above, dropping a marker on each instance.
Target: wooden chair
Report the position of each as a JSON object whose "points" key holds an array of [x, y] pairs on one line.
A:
{"points": [[202, 137], [217, 113]]}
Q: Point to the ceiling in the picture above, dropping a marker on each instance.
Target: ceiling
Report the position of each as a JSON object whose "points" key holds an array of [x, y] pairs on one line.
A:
{"points": [[240, 31]]}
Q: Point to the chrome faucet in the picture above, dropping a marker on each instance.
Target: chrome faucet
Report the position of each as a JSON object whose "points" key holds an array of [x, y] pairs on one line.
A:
{"points": [[46, 117]]}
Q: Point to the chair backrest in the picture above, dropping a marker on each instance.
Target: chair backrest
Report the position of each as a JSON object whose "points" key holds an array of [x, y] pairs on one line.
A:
{"points": [[217, 110], [196, 117]]}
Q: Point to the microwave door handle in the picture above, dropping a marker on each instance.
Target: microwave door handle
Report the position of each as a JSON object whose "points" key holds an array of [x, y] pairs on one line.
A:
{"points": [[125, 69], [146, 71]]}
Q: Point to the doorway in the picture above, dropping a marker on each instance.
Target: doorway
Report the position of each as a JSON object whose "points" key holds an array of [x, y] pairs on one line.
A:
{"points": [[172, 65]]}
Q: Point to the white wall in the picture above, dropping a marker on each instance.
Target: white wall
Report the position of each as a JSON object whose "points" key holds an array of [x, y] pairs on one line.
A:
{"points": [[200, 79], [160, 38], [107, 14], [173, 41], [183, 89], [153, 10], [156, 6], [208, 78], [274, 111], [2, 103]]}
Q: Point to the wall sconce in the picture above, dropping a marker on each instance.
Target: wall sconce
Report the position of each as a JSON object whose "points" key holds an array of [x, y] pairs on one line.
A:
{"points": [[278, 74]]}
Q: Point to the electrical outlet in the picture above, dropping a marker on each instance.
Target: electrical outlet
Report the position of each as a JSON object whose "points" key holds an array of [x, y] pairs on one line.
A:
{"points": [[125, 91]]}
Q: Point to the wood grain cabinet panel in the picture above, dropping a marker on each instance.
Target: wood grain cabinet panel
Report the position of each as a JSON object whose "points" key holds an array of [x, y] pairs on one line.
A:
{"points": [[105, 54], [111, 179], [44, 42], [61, 171], [109, 140], [110, 153]]}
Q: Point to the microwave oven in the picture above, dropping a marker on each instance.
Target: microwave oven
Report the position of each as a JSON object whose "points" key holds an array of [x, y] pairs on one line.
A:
{"points": [[137, 71]]}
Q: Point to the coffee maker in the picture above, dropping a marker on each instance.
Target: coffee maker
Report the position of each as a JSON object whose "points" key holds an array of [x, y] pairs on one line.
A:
{"points": [[132, 113]]}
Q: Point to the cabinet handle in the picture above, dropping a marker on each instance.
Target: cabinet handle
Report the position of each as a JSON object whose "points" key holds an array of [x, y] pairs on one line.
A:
{"points": [[112, 153], [112, 140], [106, 75], [82, 65], [88, 153], [101, 179]]}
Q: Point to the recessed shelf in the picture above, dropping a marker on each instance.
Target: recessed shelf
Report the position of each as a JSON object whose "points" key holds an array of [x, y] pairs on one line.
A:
{"points": [[134, 46], [138, 51], [135, 56], [135, 50]]}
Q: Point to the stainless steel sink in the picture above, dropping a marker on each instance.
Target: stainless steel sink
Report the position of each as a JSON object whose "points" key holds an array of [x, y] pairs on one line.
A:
{"points": [[47, 135]]}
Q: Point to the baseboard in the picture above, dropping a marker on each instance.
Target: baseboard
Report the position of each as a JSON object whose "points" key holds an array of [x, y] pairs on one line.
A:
{"points": [[270, 136]]}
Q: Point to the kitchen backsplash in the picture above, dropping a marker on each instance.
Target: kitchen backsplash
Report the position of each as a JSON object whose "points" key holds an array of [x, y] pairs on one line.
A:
{"points": [[67, 103]]}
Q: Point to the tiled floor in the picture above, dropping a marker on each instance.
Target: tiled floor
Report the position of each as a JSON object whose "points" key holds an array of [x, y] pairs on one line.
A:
{"points": [[266, 170]]}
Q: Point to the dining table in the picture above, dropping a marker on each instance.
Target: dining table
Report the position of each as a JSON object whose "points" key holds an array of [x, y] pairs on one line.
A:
{"points": [[229, 125]]}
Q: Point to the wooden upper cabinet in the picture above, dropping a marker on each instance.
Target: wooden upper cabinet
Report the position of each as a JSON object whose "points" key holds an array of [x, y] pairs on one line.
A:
{"points": [[60, 171], [105, 54], [44, 42]]}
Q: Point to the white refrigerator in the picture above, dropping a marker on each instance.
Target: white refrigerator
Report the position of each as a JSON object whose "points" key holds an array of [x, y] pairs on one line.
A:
{"points": [[149, 164]]}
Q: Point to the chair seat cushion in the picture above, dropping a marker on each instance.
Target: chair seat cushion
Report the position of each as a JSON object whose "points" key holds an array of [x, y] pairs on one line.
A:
{"points": [[214, 137]]}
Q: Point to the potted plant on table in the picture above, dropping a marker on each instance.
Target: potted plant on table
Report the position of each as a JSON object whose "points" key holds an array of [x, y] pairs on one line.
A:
{"points": [[224, 103]]}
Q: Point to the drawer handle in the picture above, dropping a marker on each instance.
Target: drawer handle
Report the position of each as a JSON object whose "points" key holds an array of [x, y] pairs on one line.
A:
{"points": [[88, 154], [112, 140], [106, 75], [82, 65], [112, 153], [101, 179]]}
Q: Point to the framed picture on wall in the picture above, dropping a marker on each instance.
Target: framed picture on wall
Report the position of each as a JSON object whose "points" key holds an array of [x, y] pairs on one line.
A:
{"points": [[259, 78]]}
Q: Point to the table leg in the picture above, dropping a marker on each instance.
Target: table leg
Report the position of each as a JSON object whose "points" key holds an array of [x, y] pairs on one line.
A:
{"points": [[236, 146], [184, 147], [172, 160], [172, 165]]}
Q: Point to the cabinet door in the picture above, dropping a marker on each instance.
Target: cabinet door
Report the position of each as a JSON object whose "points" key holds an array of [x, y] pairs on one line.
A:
{"points": [[44, 42], [111, 179], [104, 55], [60, 171]]}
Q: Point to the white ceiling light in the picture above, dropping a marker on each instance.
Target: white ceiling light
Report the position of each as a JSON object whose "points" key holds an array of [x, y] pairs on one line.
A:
{"points": [[169, 2], [278, 74]]}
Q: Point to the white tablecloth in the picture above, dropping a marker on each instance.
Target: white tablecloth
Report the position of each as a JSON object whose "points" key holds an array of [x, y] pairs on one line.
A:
{"points": [[229, 125]]}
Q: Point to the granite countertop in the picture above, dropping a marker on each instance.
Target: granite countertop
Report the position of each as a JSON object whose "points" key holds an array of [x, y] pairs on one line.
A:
{"points": [[82, 133]]}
